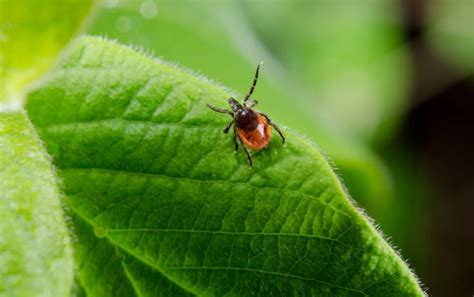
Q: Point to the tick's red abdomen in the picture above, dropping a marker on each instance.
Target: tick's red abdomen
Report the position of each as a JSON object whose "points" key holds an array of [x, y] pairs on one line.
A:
{"points": [[259, 138]]}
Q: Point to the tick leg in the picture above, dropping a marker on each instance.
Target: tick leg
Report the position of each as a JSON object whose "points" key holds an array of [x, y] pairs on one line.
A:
{"points": [[251, 103], [220, 110], [246, 151], [235, 141], [274, 126], [254, 82], [226, 129]]}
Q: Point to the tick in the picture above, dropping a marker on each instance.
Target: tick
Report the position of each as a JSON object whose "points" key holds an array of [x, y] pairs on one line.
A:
{"points": [[251, 128]]}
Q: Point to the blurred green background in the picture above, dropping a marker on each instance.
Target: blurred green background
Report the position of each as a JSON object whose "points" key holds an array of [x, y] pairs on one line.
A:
{"points": [[384, 87]]}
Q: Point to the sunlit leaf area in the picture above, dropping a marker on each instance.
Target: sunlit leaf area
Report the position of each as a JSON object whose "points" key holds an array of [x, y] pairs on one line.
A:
{"points": [[236, 148]]}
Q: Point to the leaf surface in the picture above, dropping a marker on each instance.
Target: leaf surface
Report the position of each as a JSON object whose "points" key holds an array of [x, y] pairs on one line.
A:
{"points": [[163, 206], [35, 252]]}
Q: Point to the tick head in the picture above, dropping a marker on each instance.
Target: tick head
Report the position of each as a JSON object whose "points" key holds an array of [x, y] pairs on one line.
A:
{"points": [[236, 106]]}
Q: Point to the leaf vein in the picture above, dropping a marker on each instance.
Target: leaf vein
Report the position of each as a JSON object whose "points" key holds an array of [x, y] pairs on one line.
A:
{"points": [[235, 234], [268, 272]]}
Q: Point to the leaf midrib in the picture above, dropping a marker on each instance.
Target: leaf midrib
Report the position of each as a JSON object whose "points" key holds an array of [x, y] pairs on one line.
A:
{"points": [[152, 230], [195, 180], [60, 126]]}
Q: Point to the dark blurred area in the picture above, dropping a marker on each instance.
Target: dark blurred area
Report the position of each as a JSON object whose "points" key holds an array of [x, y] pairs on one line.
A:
{"points": [[440, 134], [439, 129], [385, 88]]}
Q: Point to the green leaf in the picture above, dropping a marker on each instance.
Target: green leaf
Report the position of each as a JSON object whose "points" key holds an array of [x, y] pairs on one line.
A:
{"points": [[31, 35], [209, 30], [162, 206], [35, 252]]}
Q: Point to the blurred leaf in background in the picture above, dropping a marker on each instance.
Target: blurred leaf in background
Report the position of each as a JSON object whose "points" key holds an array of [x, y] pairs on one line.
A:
{"points": [[35, 251], [451, 31], [348, 54], [32, 33], [226, 40]]}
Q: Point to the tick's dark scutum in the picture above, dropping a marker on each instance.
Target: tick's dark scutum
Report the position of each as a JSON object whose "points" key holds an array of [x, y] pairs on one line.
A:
{"points": [[246, 119]]}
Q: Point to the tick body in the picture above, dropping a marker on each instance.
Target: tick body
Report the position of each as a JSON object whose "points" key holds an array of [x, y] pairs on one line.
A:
{"points": [[258, 138], [251, 128]]}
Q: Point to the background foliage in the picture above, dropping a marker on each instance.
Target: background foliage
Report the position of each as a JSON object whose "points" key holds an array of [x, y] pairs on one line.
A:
{"points": [[31, 35]]}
